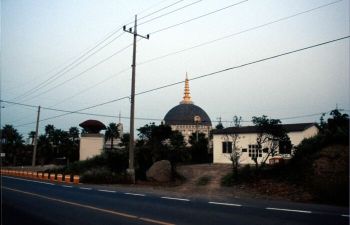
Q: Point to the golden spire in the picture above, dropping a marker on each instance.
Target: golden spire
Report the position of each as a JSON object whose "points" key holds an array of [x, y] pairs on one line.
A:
{"points": [[187, 96]]}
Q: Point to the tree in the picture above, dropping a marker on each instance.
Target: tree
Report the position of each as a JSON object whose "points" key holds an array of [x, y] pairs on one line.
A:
{"points": [[111, 133], [219, 126], [199, 149], [158, 142], [125, 140], [73, 134], [31, 136], [235, 154], [12, 143], [49, 130], [270, 135], [9, 135]]}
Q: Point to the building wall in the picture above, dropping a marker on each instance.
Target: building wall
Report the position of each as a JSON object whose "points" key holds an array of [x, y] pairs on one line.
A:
{"points": [[187, 130], [90, 146], [244, 140]]}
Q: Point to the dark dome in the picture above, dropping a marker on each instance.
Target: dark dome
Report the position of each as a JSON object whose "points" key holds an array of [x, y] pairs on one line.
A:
{"points": [[184, 114], [93, 126]]}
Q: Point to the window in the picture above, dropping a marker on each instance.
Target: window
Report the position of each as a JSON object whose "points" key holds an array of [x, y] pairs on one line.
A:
{"points": [[254, 151], [227, 147], [265, 150], [244, 150]]}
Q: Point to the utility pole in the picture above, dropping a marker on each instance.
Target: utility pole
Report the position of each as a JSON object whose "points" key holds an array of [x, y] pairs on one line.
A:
{"points": [[36, 137], [131, 169]]}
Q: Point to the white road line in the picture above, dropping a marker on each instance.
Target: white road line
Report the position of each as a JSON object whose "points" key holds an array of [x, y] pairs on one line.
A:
{"points": [[85, 188], [134, 194], [290, 210], [34, 181], [66, 186], [107, 191], [223, 203], [179, 199], [345, 215]]}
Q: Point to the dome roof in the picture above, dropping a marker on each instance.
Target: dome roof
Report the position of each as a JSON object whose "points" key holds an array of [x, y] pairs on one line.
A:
{"points": [[184, 114], [93, 126]]}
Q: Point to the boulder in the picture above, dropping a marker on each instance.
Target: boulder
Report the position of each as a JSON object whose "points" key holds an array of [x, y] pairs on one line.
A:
{"points": [[160, 171]]}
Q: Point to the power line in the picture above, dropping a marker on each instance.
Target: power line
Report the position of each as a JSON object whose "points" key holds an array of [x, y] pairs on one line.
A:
{"points": [[199, 77], [150, 14], [198, 17], [81, 58], [237, 33], [91, 86], [168, 13], [207, 43], [70, 66], [150, 119], [81, 73]]}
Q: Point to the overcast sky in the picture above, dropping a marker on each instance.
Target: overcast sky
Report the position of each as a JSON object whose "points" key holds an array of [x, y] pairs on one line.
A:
{"points": [[42, 39]]}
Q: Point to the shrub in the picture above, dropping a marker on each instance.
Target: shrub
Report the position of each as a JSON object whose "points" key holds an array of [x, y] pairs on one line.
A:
{"points": [[102, 176], [227, 180], [204, 180]]}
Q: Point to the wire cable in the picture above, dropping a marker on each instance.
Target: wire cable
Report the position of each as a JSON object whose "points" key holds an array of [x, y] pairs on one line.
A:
{"points": [[237, 33], [83, 57], [80, 74], [199, 77], [198, 17], [168, 13], [205, 43]]}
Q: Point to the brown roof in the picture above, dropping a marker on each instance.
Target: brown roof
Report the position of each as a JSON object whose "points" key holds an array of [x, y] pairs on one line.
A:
{"points": [[93, 126], [254, 129]]}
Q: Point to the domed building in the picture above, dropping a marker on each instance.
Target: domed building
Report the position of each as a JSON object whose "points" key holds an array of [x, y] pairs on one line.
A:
{"points": [[187, 117]]}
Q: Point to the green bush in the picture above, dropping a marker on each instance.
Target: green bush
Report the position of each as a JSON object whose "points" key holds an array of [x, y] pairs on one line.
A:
{"points": [[204, 180], [114, 161], [102, 176], [227, 180]]}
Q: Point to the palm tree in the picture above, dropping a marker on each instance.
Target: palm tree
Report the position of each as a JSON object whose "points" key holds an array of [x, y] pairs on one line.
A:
{"points": [[11, 142], [31, 135], [111, 133], [73, 133], [49, 131], [10, 135]]}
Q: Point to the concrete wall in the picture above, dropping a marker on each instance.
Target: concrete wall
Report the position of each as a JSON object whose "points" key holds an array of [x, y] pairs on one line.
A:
{"points": [[90, 146], [244, 140]]}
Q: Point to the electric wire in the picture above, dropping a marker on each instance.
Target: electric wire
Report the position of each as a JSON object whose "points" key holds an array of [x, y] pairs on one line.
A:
{"points": [[83, 57], [197, 77], [168, 13], [81, 73], [237, 33], [203, 44], [155, 119], [198, 17]]}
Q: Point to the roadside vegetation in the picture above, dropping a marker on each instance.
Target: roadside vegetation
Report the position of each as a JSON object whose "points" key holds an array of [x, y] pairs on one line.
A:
{"points": [[318, 170]]}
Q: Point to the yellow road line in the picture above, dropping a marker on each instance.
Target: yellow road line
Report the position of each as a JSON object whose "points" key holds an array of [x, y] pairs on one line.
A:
{"points": [[91, 207]]}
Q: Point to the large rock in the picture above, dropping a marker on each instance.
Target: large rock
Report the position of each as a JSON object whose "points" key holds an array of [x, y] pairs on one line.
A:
{"points": [[160, 171]]}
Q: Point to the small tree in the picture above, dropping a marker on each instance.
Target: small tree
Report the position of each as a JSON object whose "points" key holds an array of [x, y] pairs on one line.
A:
{"points": [[235, 154], [270, 135], [199, 149], [111, 133]]}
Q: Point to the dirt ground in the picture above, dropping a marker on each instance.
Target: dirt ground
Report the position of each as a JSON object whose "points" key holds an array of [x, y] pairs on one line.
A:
{"points": [[263, 189]]}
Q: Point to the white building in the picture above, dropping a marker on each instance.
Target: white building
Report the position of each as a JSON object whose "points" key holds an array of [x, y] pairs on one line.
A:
{"points": [[247, 145], [91, 142]]}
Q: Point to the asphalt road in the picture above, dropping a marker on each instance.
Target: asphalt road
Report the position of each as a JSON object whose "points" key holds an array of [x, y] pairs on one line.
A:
{"points": [[32, 202]]}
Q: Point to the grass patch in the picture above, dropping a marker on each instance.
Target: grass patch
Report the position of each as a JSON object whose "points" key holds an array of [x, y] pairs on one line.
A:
{"points": [[204, 180]]}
